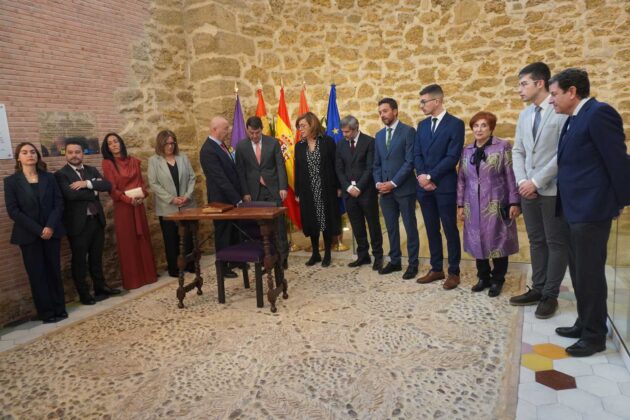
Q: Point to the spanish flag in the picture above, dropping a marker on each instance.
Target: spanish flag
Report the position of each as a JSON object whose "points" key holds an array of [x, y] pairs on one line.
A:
{"points": [[261, 111], [284, 135]]}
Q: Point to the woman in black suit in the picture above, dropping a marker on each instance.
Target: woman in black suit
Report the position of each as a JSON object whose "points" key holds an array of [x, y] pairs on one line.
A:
{"points": [[316, 186], [35, 204]]}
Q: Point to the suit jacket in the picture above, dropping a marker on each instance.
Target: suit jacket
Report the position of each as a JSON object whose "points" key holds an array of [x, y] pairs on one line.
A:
{"points": [[356, 166], [593, 165], [32, 213], [438, 154], [76, 201], [536, 158], [271, 167], [222, 181], [396, 164], [163, 187]]}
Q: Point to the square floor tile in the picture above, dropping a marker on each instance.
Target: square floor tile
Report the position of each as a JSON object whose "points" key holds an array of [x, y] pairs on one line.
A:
{"points": [[580, 401]]}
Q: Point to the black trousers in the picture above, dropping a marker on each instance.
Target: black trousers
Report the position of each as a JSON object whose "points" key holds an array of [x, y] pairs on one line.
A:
{"points": [[587, 266], [497, 273], [42, 263], [362, 209], [87, 252], [170, 233]]}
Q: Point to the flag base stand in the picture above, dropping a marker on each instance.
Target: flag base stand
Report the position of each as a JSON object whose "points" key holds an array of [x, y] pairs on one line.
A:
{"points": [[340, 247], [293, 247]]}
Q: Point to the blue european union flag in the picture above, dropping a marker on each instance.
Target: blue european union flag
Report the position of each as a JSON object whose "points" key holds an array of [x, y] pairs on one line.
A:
{"points": [[333, 121], [333, 126]]}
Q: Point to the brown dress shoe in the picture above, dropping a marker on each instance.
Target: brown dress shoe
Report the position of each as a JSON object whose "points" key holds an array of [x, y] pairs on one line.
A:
{"points": [[452, 281], [431, 276]]}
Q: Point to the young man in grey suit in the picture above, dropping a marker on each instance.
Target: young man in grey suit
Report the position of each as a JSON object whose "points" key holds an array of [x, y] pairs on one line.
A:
{"points": [[262, 173], [535, 167], [395, 181]]}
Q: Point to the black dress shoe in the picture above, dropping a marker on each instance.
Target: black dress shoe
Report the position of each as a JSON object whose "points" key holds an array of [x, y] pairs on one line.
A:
{"points": [[390, 268], [360, 261], [106, 290], [585, 348], [569, 332], [61, 315], [50, 320], [481, 285], [228, 273], [326, 261], [495, 289], [410, 273], [378, 264], [314, 259], [88, 300]]}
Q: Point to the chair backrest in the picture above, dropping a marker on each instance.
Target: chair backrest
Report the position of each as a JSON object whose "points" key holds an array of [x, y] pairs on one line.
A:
{"points": [[249, 228]]}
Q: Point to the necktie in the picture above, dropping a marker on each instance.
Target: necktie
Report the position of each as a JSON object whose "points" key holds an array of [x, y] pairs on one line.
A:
{"points": [[91, 207], [224, 147], [352, 147], [536, 121], [262, 181], [389, 137], [433, 125]]}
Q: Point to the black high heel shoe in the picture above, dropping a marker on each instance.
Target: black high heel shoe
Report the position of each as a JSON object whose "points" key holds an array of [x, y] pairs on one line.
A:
{"points": [[315, 258]]}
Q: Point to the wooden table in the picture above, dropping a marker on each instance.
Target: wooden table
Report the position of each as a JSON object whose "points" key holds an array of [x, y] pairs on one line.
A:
{"points": [[188, 220]]}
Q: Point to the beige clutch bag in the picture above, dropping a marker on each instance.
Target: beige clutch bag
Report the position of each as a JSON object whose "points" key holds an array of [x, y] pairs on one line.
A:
{"points": [[135, 193]]}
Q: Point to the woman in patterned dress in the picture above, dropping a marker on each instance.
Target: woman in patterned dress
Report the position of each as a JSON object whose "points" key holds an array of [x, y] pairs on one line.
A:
{"points": [[316, 186], [488, 203]]}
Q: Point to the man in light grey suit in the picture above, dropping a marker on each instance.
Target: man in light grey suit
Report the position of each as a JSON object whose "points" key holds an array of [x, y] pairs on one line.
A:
{"points": [[535, 167], [262, 173]]}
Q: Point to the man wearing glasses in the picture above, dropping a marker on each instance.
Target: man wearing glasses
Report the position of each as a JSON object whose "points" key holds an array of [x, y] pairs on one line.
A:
{"points": [[535, 167], [437, 149]]}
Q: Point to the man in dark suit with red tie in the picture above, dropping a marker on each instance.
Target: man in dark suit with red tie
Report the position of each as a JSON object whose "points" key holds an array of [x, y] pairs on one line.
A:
{"points": [[222, 182], [354, 160], [84, 221], [593, 173]]}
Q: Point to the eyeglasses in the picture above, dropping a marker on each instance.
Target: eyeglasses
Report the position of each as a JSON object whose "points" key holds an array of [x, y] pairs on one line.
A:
{"points": [[424, 102]]}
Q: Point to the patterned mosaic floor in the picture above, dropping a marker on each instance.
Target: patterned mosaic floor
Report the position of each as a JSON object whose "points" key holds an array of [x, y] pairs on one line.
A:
{"points": [[347, 343], [554, 385]]}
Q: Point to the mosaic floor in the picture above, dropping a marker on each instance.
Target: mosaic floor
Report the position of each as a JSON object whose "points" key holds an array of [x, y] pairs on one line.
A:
{"points": [[365, 346], [347, 343]]}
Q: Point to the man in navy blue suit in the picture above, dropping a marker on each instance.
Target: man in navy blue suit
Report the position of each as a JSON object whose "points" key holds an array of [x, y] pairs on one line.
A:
{"points": [[593, 173], [396, 185], [222, 182], [438, 146]]}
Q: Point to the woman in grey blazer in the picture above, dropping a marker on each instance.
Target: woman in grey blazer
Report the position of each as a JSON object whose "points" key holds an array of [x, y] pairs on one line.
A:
{"points": [[172, 181]]}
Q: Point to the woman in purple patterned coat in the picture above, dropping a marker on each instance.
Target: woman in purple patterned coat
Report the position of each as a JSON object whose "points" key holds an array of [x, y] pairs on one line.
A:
{"points": [[488, 203]]}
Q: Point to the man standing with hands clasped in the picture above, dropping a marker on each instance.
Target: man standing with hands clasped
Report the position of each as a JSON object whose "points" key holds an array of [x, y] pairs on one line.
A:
{"points": [[354, 161], [84, 220], [535, 167]]}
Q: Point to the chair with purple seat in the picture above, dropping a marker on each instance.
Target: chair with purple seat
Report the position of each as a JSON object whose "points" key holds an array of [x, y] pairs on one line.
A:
{"points": [[249, 251]]}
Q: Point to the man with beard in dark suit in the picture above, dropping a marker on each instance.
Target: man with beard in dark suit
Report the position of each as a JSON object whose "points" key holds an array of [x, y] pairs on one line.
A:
{"points": [[84, 220]]}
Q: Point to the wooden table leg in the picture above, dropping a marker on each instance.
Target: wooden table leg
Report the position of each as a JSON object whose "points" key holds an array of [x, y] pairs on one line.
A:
{"points": [[191, 226]]}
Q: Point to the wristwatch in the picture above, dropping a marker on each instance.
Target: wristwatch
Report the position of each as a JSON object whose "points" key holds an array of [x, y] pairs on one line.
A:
{"points": [[428, 177]]}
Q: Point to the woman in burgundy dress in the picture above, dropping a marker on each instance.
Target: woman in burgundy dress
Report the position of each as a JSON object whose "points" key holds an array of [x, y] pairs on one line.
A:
{"points": [[137, 264]]}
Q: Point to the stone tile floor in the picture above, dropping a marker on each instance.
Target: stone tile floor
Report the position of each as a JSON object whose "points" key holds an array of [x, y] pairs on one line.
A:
{"points": [[552, 385]]}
